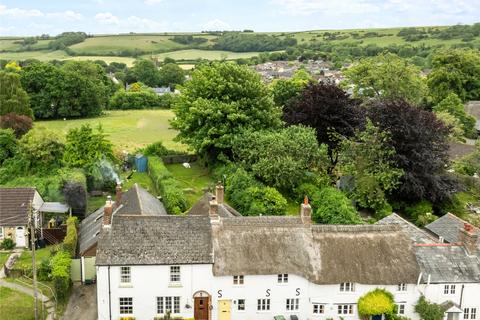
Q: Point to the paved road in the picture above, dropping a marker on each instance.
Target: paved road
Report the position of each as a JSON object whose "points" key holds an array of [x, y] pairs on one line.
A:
{"points": [[82, 304]]}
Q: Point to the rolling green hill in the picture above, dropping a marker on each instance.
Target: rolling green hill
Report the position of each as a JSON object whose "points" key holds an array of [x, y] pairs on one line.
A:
{"points": [[216, 46]]}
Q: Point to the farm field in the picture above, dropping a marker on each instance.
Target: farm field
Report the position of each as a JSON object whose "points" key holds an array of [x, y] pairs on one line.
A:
{"points": [[194, 54], [127, 130]]}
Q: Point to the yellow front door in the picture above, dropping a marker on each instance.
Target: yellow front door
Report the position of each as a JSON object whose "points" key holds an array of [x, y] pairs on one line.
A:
{"points": [[224, 308]]}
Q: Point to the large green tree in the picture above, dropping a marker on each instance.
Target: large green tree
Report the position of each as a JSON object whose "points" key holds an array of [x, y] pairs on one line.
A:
{"points": [[221, 101], [387, 76], [170, 75], [455, 71], [285, 89], [367, 157], [334, 208], [13, 99], [279, 158], [8, 144], [85, 147], [454, 106], [144, 71]]}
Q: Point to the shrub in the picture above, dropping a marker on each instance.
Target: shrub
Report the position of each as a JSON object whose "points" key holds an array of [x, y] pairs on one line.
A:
{"points": [[70, 241], [76, 197], [376, 302], [44, 270], [335, 208], [420, 212], [20, 124], [60, 265], [157, 171], [7, 244], [429, 311], [157, 149]]}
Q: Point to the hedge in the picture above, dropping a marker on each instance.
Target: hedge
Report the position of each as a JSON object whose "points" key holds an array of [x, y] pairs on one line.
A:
{"points": [[145, 99], [60, 265], [173, 196], [70, 241]]}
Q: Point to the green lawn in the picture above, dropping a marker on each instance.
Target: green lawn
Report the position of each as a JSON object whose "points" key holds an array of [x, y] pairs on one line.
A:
{"points": [[127, 130], [142, 179], [25, 260], [15, 305], [196, 178], [3, 258]]}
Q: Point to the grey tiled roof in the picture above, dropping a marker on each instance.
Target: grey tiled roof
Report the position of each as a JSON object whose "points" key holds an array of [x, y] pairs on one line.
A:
{"points": [[146, 240], [202, 208], [14, 205], [447, 263], [415, 233], [90, 230], [448, 227], [139, 201]]}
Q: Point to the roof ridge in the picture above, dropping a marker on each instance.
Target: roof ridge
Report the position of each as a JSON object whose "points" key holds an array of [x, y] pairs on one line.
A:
{"points": [[135, 186]]}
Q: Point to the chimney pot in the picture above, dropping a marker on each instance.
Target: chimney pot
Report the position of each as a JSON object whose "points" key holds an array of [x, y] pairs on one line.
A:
{"points": [[306, 212], [219, 193], [469, 239]]}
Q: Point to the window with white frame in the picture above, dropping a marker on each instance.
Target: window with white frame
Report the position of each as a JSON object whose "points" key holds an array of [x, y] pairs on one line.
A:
{"points": [[282, 278], [174, 273], [345, 309], [238, 280], [241, 304], [125, 275], [318, 308], [470, 313], [347, 287], [292, 304], [449, 289], [126, 305], [165, 304], [402, 287], [263, 304], [400, 308]]}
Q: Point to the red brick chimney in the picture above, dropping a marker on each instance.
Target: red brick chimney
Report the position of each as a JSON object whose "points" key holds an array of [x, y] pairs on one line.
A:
{"points": [[107, 212], [469, 238], [306, 212], [118, 194], [219, 193]]}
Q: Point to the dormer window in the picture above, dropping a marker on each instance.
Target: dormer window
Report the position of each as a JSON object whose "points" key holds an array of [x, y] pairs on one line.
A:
{"points": [[238, 280], [282, 278], [347, 287], [402, 287]]}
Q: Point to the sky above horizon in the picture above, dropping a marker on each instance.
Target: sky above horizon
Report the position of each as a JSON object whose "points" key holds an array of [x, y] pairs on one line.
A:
{"points": [[35, 17]]}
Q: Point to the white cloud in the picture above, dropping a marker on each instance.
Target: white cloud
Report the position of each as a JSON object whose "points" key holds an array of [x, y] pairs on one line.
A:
{"points": [[306, 7], [152, 2], [19, 13], [68, 15], [216, 25], [107, 18]]}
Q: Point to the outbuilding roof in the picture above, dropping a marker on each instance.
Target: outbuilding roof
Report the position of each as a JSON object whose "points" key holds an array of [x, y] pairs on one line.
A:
{"points": [[448, 226], [139, 201], [148, 240], [14, 204]]}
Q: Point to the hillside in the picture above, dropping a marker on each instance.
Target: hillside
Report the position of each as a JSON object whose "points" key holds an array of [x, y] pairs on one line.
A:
{"points": [[190, 47]]}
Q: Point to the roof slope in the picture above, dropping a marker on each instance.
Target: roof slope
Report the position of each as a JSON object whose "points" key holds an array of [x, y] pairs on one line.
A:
{"points": [[14, 205], [202, 208], [447, 263], [145, 240], [139, 201], [416, 234], [90, 230], [323, 254], [448, 226]]}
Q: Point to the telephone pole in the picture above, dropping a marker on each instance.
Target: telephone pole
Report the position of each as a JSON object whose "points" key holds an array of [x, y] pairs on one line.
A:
{"points": [[31, 222]]}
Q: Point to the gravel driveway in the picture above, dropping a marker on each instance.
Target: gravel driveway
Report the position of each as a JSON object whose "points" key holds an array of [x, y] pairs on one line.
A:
{"points": [[82, 304]]}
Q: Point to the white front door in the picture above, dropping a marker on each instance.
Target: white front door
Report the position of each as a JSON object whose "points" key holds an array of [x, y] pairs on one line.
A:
{"points": [[20, 237]]}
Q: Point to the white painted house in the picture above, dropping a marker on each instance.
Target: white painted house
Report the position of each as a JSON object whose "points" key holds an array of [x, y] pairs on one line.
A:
{"points": [[222, 266]]}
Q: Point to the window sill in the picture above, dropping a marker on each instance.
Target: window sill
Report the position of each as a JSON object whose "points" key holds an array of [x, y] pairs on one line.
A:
{"points": [[125, 285]]}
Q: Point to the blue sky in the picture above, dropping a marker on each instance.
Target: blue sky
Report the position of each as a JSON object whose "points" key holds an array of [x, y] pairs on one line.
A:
{"points": [[35, 17]]}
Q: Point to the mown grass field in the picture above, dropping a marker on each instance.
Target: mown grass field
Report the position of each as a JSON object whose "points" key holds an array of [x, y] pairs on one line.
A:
{"points": [[127, 130], [15, 305], [194, 54]]}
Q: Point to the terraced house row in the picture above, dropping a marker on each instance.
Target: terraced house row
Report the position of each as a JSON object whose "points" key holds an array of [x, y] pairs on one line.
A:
{"points": [[215, 264]]}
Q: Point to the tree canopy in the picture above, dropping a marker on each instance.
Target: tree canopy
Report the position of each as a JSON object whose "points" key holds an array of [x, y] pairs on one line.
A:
{"points": [[284, 90], [13, 98], [221, 101], [334, 208], [170, 75], [387, 76], [455, 71], [454, 106], [420, 141]]}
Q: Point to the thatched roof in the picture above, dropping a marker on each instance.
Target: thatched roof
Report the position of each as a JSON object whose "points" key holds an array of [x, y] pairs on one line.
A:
{"points": [[368, 254]]}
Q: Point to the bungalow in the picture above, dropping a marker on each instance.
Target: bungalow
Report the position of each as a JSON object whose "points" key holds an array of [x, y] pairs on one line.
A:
{"points": [[14, 213]]}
